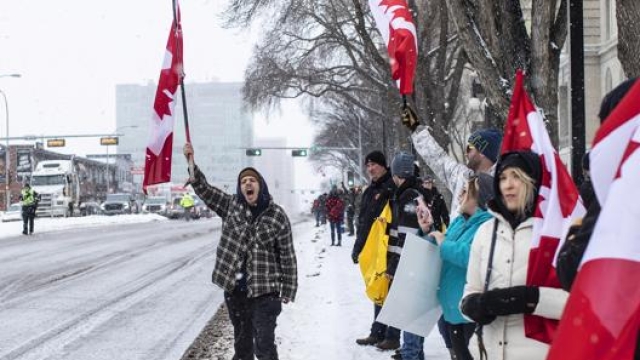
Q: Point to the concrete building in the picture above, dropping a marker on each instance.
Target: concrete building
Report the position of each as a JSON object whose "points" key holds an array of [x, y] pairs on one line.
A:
{"points": [[603, 71], [219, 128], [276, 165]]}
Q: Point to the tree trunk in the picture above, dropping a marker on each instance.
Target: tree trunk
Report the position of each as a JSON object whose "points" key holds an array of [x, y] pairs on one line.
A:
{"points": [[629, 36]]}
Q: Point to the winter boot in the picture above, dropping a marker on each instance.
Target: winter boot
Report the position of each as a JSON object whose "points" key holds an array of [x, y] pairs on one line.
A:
{"points": [[369, 340], [388, 344], [397, 356]]}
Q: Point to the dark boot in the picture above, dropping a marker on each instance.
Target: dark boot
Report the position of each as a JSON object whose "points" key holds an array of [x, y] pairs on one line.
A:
{"points": [[369, 340], [388, 344]]}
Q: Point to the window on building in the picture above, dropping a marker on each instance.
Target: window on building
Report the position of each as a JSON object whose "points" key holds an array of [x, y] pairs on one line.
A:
{"points": [[608, 19]]}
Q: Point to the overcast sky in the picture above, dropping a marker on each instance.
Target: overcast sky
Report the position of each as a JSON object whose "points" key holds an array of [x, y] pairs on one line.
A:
{"points": [[72, 53]]}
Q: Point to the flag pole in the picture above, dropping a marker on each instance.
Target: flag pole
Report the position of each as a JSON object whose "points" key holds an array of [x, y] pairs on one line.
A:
{"points": [[182, 91]]}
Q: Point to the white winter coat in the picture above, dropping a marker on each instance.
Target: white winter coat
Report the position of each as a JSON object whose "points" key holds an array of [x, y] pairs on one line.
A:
{"points": [[504, 338]]}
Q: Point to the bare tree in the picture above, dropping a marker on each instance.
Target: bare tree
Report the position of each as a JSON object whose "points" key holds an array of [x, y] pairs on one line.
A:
{"points": [[497, 42], [330, 53], [627, 12]]}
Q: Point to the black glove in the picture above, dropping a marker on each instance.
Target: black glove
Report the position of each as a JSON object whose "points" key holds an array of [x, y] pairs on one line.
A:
{"points": [[473, 307], [409, 118], [354, 257], [513, 300]]}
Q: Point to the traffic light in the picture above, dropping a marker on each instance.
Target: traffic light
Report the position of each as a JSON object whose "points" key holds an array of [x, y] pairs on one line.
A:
{"points": [[299, 152], [55, 143], [254, 152], [350, 181], [109, 140]]}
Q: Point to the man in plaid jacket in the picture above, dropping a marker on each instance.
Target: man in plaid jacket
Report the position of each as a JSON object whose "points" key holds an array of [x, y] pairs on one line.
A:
{"points": [[255, 260]]}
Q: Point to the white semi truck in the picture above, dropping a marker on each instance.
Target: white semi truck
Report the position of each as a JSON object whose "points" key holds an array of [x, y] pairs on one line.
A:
{"points": [[56, 181]]}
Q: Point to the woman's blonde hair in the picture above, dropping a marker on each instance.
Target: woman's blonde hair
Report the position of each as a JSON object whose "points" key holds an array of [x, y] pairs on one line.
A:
{"points": [[525, 197]]}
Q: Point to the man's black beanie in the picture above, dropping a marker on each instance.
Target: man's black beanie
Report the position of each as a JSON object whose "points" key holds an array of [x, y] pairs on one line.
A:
{"points": [[376, 157]]}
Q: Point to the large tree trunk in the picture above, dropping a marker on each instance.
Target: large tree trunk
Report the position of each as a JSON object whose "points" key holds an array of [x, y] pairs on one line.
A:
{"points": [[496, 41], [629, 36]]}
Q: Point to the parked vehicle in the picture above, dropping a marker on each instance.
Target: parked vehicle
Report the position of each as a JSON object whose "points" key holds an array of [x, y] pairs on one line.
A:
{"points": [[155, 205], [117, 204], [13, 213], [56, 181], [175, 211], [90, 208]]}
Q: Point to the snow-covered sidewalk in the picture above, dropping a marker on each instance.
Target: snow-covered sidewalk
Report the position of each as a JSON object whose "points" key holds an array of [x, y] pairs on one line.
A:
{"points": [[331, 310], [44, 225]]}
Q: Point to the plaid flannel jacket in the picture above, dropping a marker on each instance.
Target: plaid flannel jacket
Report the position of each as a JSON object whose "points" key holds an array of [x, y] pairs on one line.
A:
{"points": [[267, 242]]}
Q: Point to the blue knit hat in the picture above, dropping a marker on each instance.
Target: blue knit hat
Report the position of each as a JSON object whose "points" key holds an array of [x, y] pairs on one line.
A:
{"points": [[487, 142], [402, 165]]}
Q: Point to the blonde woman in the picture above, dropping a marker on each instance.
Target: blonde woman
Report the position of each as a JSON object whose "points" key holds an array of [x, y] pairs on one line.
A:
{"points": [[495, 294]]}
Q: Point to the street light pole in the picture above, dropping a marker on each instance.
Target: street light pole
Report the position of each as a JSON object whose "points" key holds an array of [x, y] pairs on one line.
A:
{"points": [[6, 159], [7, 189]]}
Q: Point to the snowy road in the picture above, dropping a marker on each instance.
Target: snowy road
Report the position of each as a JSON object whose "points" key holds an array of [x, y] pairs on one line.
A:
{"points": [[120, 291]]}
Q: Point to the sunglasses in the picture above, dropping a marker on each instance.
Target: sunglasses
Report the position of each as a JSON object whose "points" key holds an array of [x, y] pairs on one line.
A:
{"points": [[470, 147]]}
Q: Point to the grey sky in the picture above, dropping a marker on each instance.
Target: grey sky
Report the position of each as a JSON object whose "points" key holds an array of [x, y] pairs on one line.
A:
{"points": [[71, 53]]}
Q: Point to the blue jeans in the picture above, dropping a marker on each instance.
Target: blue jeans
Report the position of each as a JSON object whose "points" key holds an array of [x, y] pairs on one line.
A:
{"points": [[336, 227], [412, 347]]}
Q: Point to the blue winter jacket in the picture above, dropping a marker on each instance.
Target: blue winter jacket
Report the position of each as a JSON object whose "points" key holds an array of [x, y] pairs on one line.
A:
{"points": [[454, 252]]}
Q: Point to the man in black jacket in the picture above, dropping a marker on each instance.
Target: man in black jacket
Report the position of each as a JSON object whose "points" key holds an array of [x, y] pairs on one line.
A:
{"points": [[373, 201]]}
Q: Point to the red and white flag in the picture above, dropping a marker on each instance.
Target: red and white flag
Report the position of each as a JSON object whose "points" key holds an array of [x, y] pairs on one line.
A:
{"points": [[395, 22], [558, 202], [602, 317], [157, 167]]}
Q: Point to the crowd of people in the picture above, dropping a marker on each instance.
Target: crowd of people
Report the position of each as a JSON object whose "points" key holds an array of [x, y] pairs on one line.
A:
{"points": [[484, 242]]}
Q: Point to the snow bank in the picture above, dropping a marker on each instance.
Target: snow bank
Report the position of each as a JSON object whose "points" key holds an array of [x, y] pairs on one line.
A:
{"points": [[43, 225]]}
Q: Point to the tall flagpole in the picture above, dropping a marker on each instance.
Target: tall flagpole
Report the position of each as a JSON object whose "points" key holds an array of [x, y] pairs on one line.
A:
{"points": [[176, 29]]}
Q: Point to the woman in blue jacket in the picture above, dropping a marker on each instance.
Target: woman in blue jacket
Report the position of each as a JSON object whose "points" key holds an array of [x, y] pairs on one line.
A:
{"points": [[454, 251]]}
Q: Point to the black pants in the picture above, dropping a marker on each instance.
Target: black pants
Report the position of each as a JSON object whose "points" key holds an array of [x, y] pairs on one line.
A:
{"points": [[254, 324], [460, 335], [28, 214], [350, 228]]}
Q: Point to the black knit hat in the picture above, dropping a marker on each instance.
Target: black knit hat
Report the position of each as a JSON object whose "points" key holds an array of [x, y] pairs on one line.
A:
{"points": [[527, 161], [613, 98], [377, 157]]}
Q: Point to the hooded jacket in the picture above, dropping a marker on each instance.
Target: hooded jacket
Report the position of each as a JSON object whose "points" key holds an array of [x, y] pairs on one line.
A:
{"points": [[256, 237]]}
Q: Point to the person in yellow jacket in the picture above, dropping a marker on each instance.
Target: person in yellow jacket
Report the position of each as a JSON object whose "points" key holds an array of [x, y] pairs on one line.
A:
{"points": [[187, 202], [29, 201]]}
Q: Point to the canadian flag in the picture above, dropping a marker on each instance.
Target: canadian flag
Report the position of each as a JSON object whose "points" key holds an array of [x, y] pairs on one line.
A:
{"points": [[157, 167], [395, 22], [602, 317], [558, 202]]}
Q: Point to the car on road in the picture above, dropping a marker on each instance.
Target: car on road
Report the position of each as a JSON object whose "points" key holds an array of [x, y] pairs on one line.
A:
{"points": [[116, 204], [155, 205], [14, 213], [89, 208]]}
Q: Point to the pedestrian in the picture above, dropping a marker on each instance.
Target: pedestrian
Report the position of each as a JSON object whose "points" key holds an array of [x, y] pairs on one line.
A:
{"points": [[404, 220], [315, 209], [454, 251], [435, 202], [335, 215], [187, 202], [29, 200], [483, 147], [373, 200], [350, 203], [255, 262], [496, 295]]}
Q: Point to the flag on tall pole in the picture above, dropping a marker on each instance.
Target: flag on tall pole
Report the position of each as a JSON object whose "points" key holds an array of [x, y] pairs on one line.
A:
{"points": [[395, 23], [157, 167], [558, 202], [602, 317]]}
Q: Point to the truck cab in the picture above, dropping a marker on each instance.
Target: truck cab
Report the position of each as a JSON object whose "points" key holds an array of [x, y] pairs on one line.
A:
{"points": [[57, 184]]}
